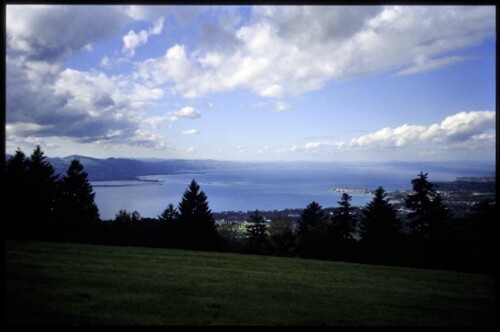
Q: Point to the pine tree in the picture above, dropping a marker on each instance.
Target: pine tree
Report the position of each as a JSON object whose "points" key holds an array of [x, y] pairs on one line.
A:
{"points": [[42, 182], [310, 217], [343, 222], [429, 213], [439, 218], [379, 221], [341, 229], [429, 224], [168, 215], [313, 233], [256, 231], [483, 224], [123, 217], [15, 194], [77, 212], [196, 224], [168, 223], [380, 228], [281, 237]]}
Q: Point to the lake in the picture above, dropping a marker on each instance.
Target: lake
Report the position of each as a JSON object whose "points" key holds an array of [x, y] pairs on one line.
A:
{"points": [[269, 186]]}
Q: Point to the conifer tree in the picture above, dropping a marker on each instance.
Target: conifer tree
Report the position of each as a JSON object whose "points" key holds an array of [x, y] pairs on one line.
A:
{"points": [[429, 224], [311, 216], [343, 222], [168, 215], [168, 223], [41, 196], [485, 221], [379, 228], [123, 217], [429, 213], [256, 231], [342, 228], [483, 224], [313, 238], [196, 224], [379, 222], [281, 237], [77, 212], [15, 194]]}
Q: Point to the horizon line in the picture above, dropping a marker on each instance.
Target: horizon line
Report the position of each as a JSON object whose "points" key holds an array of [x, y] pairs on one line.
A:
{"points": [[269, 161]]}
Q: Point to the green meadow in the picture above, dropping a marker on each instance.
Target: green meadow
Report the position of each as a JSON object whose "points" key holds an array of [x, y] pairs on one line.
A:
{"points": [[76, 284]]}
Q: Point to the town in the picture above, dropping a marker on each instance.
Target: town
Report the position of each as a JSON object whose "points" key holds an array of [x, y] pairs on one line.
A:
{"points": [[460, 196]]}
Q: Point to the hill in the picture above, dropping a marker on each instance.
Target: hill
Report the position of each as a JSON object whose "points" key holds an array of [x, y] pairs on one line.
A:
{"points": [[129, 169], [76, 284], [483, 185]]}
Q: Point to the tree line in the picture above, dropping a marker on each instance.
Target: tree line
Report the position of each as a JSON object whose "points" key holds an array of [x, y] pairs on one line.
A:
{"points": [[42, 205]]}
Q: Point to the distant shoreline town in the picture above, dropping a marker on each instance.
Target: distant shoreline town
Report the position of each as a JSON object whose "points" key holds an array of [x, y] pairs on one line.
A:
{"points": [[460, 195], [351, 191], [461, 183]]}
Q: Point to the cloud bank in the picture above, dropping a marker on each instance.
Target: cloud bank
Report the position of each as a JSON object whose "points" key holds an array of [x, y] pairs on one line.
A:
{"points": [[288, 51], [51, 33], [465, 131]]}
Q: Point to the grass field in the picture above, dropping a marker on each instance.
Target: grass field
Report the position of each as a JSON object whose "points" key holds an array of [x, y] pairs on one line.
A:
{"points": [[71, 284]]}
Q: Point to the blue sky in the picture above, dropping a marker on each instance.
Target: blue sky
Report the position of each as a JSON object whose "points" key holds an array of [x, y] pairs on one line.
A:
{"points": [[253, 83]]}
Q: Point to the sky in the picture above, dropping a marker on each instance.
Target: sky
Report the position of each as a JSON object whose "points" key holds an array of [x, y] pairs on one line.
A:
{"points": [[325, 83]]}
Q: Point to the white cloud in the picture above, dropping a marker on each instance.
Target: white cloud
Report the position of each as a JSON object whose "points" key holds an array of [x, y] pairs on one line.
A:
{"points": [[96, 93], [157, 27], [462, 131], [20, 129], [423, 65], [148, 139], [186, 112], [274, 90], [191, 149], [27, 143], [46, 101], [154, 121], [173, 67], [140, 12], [183, 15], [290, 50], [190, 132], [454, 129], [132, 40]]}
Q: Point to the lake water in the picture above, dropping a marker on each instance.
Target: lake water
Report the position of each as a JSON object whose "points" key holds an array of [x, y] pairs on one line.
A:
{"points": [[267, 186]]}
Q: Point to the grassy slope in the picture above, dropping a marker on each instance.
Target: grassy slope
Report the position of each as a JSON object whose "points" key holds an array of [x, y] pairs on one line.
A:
{"points": [[55, 283]]}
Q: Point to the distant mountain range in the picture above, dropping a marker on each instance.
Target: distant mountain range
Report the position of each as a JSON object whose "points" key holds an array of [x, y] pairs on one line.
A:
{"points": [[130, 169]]}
